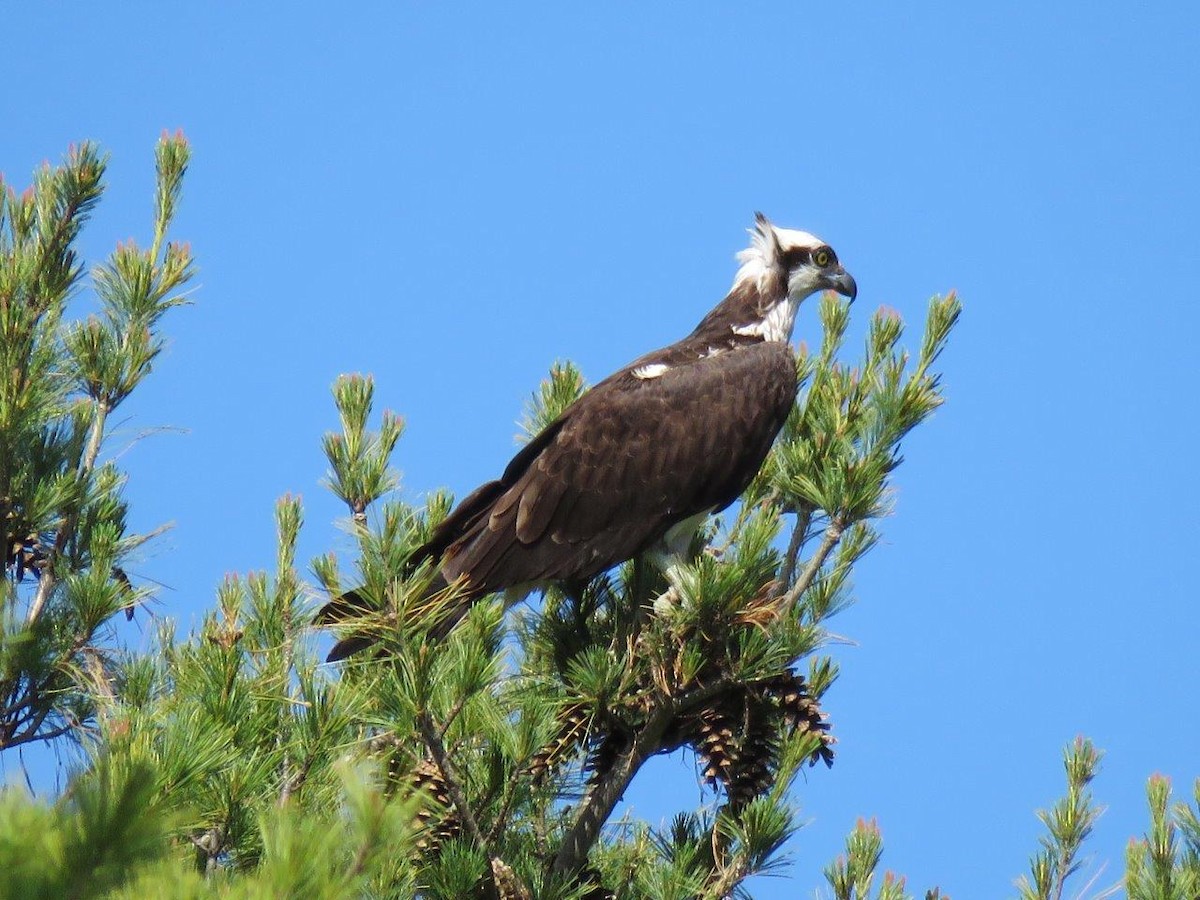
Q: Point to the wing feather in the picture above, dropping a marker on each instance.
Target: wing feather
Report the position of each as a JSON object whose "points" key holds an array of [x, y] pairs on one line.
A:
{"points": [[625, 462]]}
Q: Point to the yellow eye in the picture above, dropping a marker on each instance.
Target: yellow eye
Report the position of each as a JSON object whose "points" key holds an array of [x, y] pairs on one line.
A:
{"points": [[822, 258]]}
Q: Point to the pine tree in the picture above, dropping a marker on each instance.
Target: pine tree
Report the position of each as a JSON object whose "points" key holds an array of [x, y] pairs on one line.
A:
{"points": [[62, 516], [229, 762]]}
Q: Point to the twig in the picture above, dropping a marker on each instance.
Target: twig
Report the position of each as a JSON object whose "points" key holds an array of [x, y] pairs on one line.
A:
{"points": [[729, 878], [50, 247], [599, 804], [510, 793], [360, 859], [87, 464], [29, 736], [796, 544], [453, 714], [832, 535], [458, 797], [11, 719], [296, 781]]}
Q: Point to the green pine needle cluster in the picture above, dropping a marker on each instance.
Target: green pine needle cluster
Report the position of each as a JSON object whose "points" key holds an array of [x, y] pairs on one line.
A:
{"points": [[852, 875], [1068, 825], [1165, 863]]}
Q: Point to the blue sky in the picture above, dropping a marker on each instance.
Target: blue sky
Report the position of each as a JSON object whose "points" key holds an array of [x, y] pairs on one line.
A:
{"points": [[452, 197]]}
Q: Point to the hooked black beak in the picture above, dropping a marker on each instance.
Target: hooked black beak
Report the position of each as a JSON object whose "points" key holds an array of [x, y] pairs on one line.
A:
{"points": [[843, 282]]}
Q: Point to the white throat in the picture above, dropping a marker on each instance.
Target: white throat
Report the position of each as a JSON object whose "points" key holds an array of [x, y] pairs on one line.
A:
{"points": [[776, 325]]}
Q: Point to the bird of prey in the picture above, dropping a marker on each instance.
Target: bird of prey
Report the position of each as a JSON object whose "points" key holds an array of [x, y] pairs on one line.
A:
{"points": [[636, 463]]}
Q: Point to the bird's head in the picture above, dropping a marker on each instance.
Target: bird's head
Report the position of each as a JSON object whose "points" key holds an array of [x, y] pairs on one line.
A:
{"points": [[792, 263]]}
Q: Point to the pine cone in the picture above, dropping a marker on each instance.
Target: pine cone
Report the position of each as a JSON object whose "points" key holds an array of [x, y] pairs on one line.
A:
{"points": [[737, 734], [574, 725], [442, 821], [715, 741], [801, 712], [758, 755]]}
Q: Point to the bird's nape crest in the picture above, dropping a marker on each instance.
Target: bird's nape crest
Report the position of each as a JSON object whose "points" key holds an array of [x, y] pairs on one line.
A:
{"points": [[763, 259]]}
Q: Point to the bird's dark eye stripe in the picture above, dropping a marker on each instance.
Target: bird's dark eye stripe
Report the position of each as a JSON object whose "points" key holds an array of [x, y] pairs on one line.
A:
{"points": [[797, 256], [802, 256]]}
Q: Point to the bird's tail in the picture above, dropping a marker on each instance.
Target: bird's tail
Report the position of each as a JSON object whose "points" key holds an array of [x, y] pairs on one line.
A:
{"points": [[361, 618]]}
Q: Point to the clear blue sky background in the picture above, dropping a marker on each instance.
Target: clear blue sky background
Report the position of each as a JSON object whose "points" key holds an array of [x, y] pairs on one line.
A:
{"points": [[452, 197]]}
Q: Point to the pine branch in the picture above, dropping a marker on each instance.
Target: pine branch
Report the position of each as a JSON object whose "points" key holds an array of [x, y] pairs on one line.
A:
{"points": [[503, 876], [796, 543], [1157, 867], [510, 794], [454, 713], [729, 878], [433, 741], [600, 802], [33, 735], [87, 465], [1069, 824], [832, 535], [577, 844]]}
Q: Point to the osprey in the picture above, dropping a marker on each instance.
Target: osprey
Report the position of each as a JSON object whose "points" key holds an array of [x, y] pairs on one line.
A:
{"points": [[637, 462]]}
